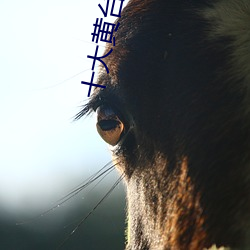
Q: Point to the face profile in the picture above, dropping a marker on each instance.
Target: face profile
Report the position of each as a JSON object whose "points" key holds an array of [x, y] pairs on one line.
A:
{"points": [[175, 109]]}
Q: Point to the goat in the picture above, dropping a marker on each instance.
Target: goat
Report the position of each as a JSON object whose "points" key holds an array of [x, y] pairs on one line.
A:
{"points": [[176, 111]]}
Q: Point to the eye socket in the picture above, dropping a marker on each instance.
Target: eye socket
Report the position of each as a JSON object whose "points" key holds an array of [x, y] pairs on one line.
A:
{"points": [[108, 125]]}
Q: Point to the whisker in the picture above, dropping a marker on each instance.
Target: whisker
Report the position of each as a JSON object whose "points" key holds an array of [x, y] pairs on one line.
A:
{"points": [[92, 190], [103, 171], [92, 43], [79, 189], [108, 172], [93, 209], [55, 85], [87, 182]]}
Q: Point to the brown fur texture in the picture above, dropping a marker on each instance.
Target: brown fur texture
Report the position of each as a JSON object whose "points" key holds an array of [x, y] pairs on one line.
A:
{"points": [[179, 81]]}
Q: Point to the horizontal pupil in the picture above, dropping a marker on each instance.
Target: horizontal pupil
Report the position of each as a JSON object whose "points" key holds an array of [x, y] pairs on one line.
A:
{"points": [[106, 125]]}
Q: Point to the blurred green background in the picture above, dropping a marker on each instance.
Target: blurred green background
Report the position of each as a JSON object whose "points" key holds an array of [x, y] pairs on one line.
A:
{"points": [[104, 229]]}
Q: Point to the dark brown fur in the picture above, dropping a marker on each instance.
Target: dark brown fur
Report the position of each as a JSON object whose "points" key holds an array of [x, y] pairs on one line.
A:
{"points": [[186, 148]]}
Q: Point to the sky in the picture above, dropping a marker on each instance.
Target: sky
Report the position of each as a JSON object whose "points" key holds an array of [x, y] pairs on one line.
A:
{"points": [[43, 59]]}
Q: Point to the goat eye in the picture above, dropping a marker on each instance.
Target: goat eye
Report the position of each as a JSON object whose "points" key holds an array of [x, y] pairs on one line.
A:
{"points": [[108, 125]]}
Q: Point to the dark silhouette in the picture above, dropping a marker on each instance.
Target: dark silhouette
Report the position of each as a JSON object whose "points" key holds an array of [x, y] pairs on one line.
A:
{"points": [[176, 107]]}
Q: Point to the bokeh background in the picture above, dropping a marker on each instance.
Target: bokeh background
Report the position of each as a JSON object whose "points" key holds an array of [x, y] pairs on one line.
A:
{"points": [[43, 153]]}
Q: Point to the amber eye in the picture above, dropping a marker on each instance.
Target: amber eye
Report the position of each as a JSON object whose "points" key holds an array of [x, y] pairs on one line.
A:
{"points": [[108, 125]]}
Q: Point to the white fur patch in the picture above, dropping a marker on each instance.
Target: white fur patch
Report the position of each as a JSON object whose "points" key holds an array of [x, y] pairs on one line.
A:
{"points": [[231, 18]]}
